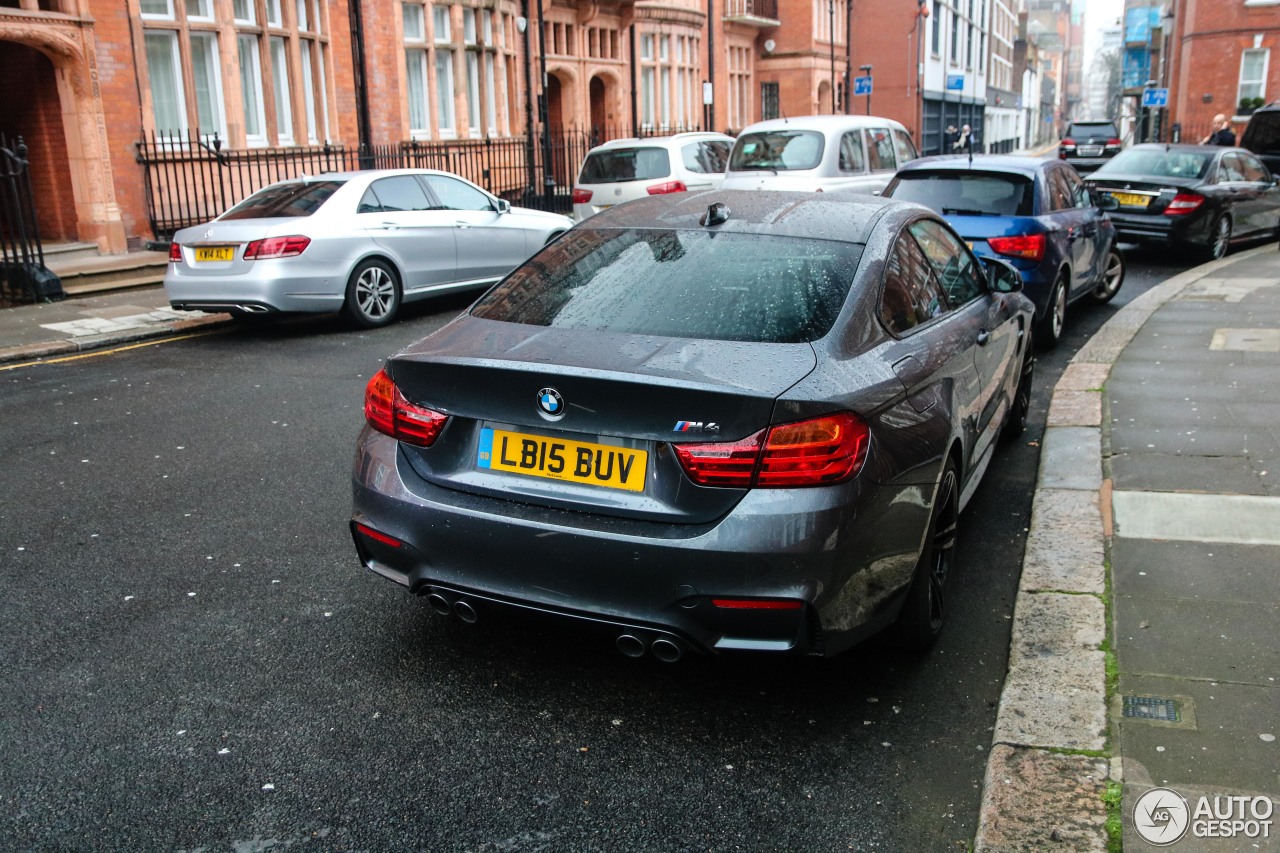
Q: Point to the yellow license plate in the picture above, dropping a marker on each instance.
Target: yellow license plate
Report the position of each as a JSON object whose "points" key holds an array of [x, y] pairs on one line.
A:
{"points": [[563, 459], [215, 253], [1132, 199]]}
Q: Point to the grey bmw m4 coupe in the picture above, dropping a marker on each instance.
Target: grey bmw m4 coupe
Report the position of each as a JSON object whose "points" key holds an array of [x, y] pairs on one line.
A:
{"points": [[703, 423]]}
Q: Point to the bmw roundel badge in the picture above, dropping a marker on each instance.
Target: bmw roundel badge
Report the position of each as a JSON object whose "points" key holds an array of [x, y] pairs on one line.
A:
{"points": [[550, 403]]}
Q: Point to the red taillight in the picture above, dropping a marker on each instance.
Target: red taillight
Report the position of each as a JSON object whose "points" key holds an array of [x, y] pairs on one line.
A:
{"points": [[1064, 146], [1029, 246], [175, 253], [1184, 203], [668, 187], [1113, 144], [276, 247], [387, 411], [581, 196], [756, 604], [376, 536], [815, 452]]}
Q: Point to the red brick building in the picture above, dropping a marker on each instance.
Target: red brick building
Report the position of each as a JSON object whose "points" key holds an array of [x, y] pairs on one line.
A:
{"points": [[214, 80], [1220, 53]]}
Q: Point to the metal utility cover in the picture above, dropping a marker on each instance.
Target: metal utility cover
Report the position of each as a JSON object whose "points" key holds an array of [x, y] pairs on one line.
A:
{"points": [[1152, 708]]}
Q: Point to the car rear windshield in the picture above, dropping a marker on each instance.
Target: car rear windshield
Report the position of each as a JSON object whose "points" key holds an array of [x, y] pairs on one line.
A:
{"points": [[947, 192], [777, 151], [680, 284], [1158, 163], [284, 201], [1093, 128], [625, 164]]}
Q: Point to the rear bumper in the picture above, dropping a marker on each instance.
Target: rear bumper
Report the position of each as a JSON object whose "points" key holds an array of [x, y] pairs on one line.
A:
{"points": [[1158, 228], [256, 293], [657, 579]]}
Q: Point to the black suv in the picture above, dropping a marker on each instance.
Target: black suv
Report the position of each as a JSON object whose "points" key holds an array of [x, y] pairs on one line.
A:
{"points": [[1088, 144], [1262, 136]]}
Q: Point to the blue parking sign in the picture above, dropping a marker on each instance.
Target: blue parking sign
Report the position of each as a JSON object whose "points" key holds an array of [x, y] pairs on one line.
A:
{"points": [[1155, 97], [862, 85], [955, 82]]}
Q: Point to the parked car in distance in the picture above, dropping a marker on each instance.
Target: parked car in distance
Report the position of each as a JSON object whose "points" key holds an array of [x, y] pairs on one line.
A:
{"points": [[1262, 136], [358, 242], [1203, 196], [626, 169], [819, 153], [1086, 145], [716, 421], [1035, 213]]}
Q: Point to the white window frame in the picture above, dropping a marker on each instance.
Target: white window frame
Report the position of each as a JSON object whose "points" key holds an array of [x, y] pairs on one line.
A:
{"points": [[274, 17], [420, 58], [204, 11], [251, 88], [473, 93], [252, 9], [214, 79], [418, 13], [490, 80], [158, 16], [279, 47], [441, 25], [174, 64], [446, 116], [1260, 82]]}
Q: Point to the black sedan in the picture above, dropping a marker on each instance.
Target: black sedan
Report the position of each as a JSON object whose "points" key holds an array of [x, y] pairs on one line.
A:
{"points": [[1199, 195], [712, 422]]}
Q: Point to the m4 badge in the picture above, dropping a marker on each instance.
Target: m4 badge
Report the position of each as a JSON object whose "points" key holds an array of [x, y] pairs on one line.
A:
{"points": [[696, 426]]}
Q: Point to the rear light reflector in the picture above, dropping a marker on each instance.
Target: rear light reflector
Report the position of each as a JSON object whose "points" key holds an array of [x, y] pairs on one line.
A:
{"points": [[581, 196], [756, 604], [668, 187], [276, 247], [1029, 246], [1183, 203], [816, 452], [175, 253], [376, 536], [387, 411]]}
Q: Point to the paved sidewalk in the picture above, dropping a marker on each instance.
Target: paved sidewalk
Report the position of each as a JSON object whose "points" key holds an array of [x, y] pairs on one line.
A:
{"points": [[76, 324], [1171, 480]]}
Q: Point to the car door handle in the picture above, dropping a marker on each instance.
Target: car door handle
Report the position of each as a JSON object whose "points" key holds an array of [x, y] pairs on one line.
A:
{"points": [[390, 226], [983, 337], [463, 225]]}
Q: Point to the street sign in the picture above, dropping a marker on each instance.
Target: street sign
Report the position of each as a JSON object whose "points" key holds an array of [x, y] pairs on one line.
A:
{"points": [[862, 85], [1155, 97], [955, 82]]}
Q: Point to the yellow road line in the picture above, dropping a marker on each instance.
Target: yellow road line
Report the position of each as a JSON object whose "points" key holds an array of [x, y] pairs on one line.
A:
{"points": [[98, 353]]}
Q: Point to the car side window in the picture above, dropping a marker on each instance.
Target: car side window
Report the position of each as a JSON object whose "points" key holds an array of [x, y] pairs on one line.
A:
{"points": [[1252, 169], [706, 158], [455, 195], [851, 159], [1229, 169], [1079, 192], [906, 148], [911, 295], [394, 195], [1060, 196], [879, 149], [957, 270]]}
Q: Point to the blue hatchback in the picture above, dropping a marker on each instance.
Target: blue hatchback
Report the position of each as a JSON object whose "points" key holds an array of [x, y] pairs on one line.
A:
{"points": [[1036, 214]]}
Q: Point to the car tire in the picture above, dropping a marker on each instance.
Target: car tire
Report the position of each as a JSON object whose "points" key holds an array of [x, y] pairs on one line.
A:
{"points": [[1015, 423], [1049, 329], [924, 612], [1112, 277], [373, 294], [1219, 239]]}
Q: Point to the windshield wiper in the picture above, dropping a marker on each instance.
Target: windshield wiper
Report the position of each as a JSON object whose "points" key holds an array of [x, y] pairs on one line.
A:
{"points": [[961, 211]]}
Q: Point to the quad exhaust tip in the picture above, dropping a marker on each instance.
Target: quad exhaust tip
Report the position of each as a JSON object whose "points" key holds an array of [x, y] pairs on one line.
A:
{"points": [[465, 612], [664, 649], [439, 604], [631, 646]]}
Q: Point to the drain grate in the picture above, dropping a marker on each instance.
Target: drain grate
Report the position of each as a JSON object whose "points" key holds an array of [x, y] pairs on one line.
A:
{"points": [[1152, 708]]}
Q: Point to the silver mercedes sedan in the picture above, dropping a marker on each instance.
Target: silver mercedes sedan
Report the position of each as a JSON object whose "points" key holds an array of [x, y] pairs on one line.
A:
{"points": [[362, 243]]}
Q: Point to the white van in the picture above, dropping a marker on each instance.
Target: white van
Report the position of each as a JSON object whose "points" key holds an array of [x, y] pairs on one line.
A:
{"points": [[811, 153]]}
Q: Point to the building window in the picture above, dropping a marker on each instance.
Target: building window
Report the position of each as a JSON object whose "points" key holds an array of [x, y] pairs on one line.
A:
{"points": [[416, 67], [164, 68], [208, 83], [1253, 74], [822, 21], [255, 120], [968, 49], [280, 86], [937, 27], [955, 38]]}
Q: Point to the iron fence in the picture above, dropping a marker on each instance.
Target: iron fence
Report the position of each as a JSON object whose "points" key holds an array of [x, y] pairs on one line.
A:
{"points": [[192, 177], [23, 275]]}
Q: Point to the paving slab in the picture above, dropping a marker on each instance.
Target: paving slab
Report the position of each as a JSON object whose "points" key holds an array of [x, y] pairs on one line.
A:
{"points": [[1244, 519], [1201, 638], [1064, 545], [1149, 568], [1163, 472], [1070, 458]]}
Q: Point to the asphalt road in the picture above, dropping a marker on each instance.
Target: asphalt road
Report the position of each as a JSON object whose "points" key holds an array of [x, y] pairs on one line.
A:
{"points": [[195, 660]]}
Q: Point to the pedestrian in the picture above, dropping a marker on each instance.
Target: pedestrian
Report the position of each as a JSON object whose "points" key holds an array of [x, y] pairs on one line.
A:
{"points": [[1222, 134], [964, 142], [949, 137]]}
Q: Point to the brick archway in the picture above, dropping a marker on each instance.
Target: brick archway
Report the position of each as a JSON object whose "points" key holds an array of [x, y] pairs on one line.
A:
{"points": [[69, 46]]}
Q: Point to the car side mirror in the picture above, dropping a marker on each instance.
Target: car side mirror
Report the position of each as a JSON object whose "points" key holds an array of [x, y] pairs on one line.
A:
{"points": [[503, 205], [1002, 276]]}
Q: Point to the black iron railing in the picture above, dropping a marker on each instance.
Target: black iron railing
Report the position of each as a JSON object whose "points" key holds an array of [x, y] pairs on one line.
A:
{"points": [[191, 177], [23, 275]]}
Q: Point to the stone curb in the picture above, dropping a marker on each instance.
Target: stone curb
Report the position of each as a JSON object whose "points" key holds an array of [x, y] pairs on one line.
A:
{"points": [[1045, 774], [88, 343]]}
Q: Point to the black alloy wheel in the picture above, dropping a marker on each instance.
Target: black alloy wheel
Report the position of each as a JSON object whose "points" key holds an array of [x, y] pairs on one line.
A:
{"points": [[1112, 277], [924, 611]]}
